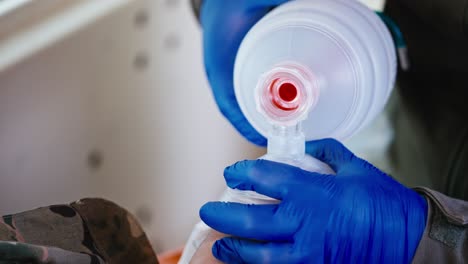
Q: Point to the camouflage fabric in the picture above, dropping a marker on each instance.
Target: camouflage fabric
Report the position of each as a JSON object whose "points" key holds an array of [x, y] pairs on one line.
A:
{"points": [[89, 231]]}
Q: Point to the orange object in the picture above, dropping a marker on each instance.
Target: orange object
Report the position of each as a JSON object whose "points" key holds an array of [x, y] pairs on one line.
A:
{"points": [[170, 257]]}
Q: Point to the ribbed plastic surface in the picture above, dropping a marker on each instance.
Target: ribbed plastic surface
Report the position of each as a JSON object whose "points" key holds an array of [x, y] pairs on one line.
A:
{"points": [[342, 43]]}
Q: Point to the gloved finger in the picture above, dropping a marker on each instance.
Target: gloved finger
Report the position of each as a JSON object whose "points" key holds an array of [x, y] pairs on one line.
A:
{"points": [[330, 151], [235, 250], [269, 178], [259, 222]]}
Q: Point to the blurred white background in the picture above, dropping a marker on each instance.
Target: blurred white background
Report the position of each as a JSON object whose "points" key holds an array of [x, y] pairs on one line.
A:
{"points": [[111, 100]]}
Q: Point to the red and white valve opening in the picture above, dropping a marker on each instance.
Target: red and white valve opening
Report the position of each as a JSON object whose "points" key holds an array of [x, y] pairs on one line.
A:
{"points": [[286, 94]]}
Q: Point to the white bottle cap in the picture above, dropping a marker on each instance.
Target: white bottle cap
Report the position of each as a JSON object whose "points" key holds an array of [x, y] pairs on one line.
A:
{"points": [[330, 64]]}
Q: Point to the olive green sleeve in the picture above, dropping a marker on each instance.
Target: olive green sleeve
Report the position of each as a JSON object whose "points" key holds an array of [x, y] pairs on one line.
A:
{"points": [[445, 237]]}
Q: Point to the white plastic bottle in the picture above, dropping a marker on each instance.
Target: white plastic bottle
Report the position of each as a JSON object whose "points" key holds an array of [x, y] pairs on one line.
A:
{"points": [[309, 69], [339, 48]]}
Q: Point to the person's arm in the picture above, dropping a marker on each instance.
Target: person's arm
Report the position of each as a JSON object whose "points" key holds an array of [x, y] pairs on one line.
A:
{"points": [[445, 237], [359, 215], [91, 230]]}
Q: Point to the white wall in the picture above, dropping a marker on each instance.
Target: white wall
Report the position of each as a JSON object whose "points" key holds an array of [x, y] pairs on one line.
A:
{"points": [[128, 90]]}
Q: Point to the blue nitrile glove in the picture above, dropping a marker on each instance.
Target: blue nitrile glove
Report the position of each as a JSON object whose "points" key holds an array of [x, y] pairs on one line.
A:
{"points": [[361, 215], [225, 23]]}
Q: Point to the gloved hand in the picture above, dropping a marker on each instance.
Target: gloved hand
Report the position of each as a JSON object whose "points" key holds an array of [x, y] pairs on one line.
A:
{"points": [[225, 23], [361, 215]]}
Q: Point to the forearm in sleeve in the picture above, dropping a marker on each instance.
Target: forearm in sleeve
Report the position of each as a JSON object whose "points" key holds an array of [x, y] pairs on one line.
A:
{"points": [[445, 239]]}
